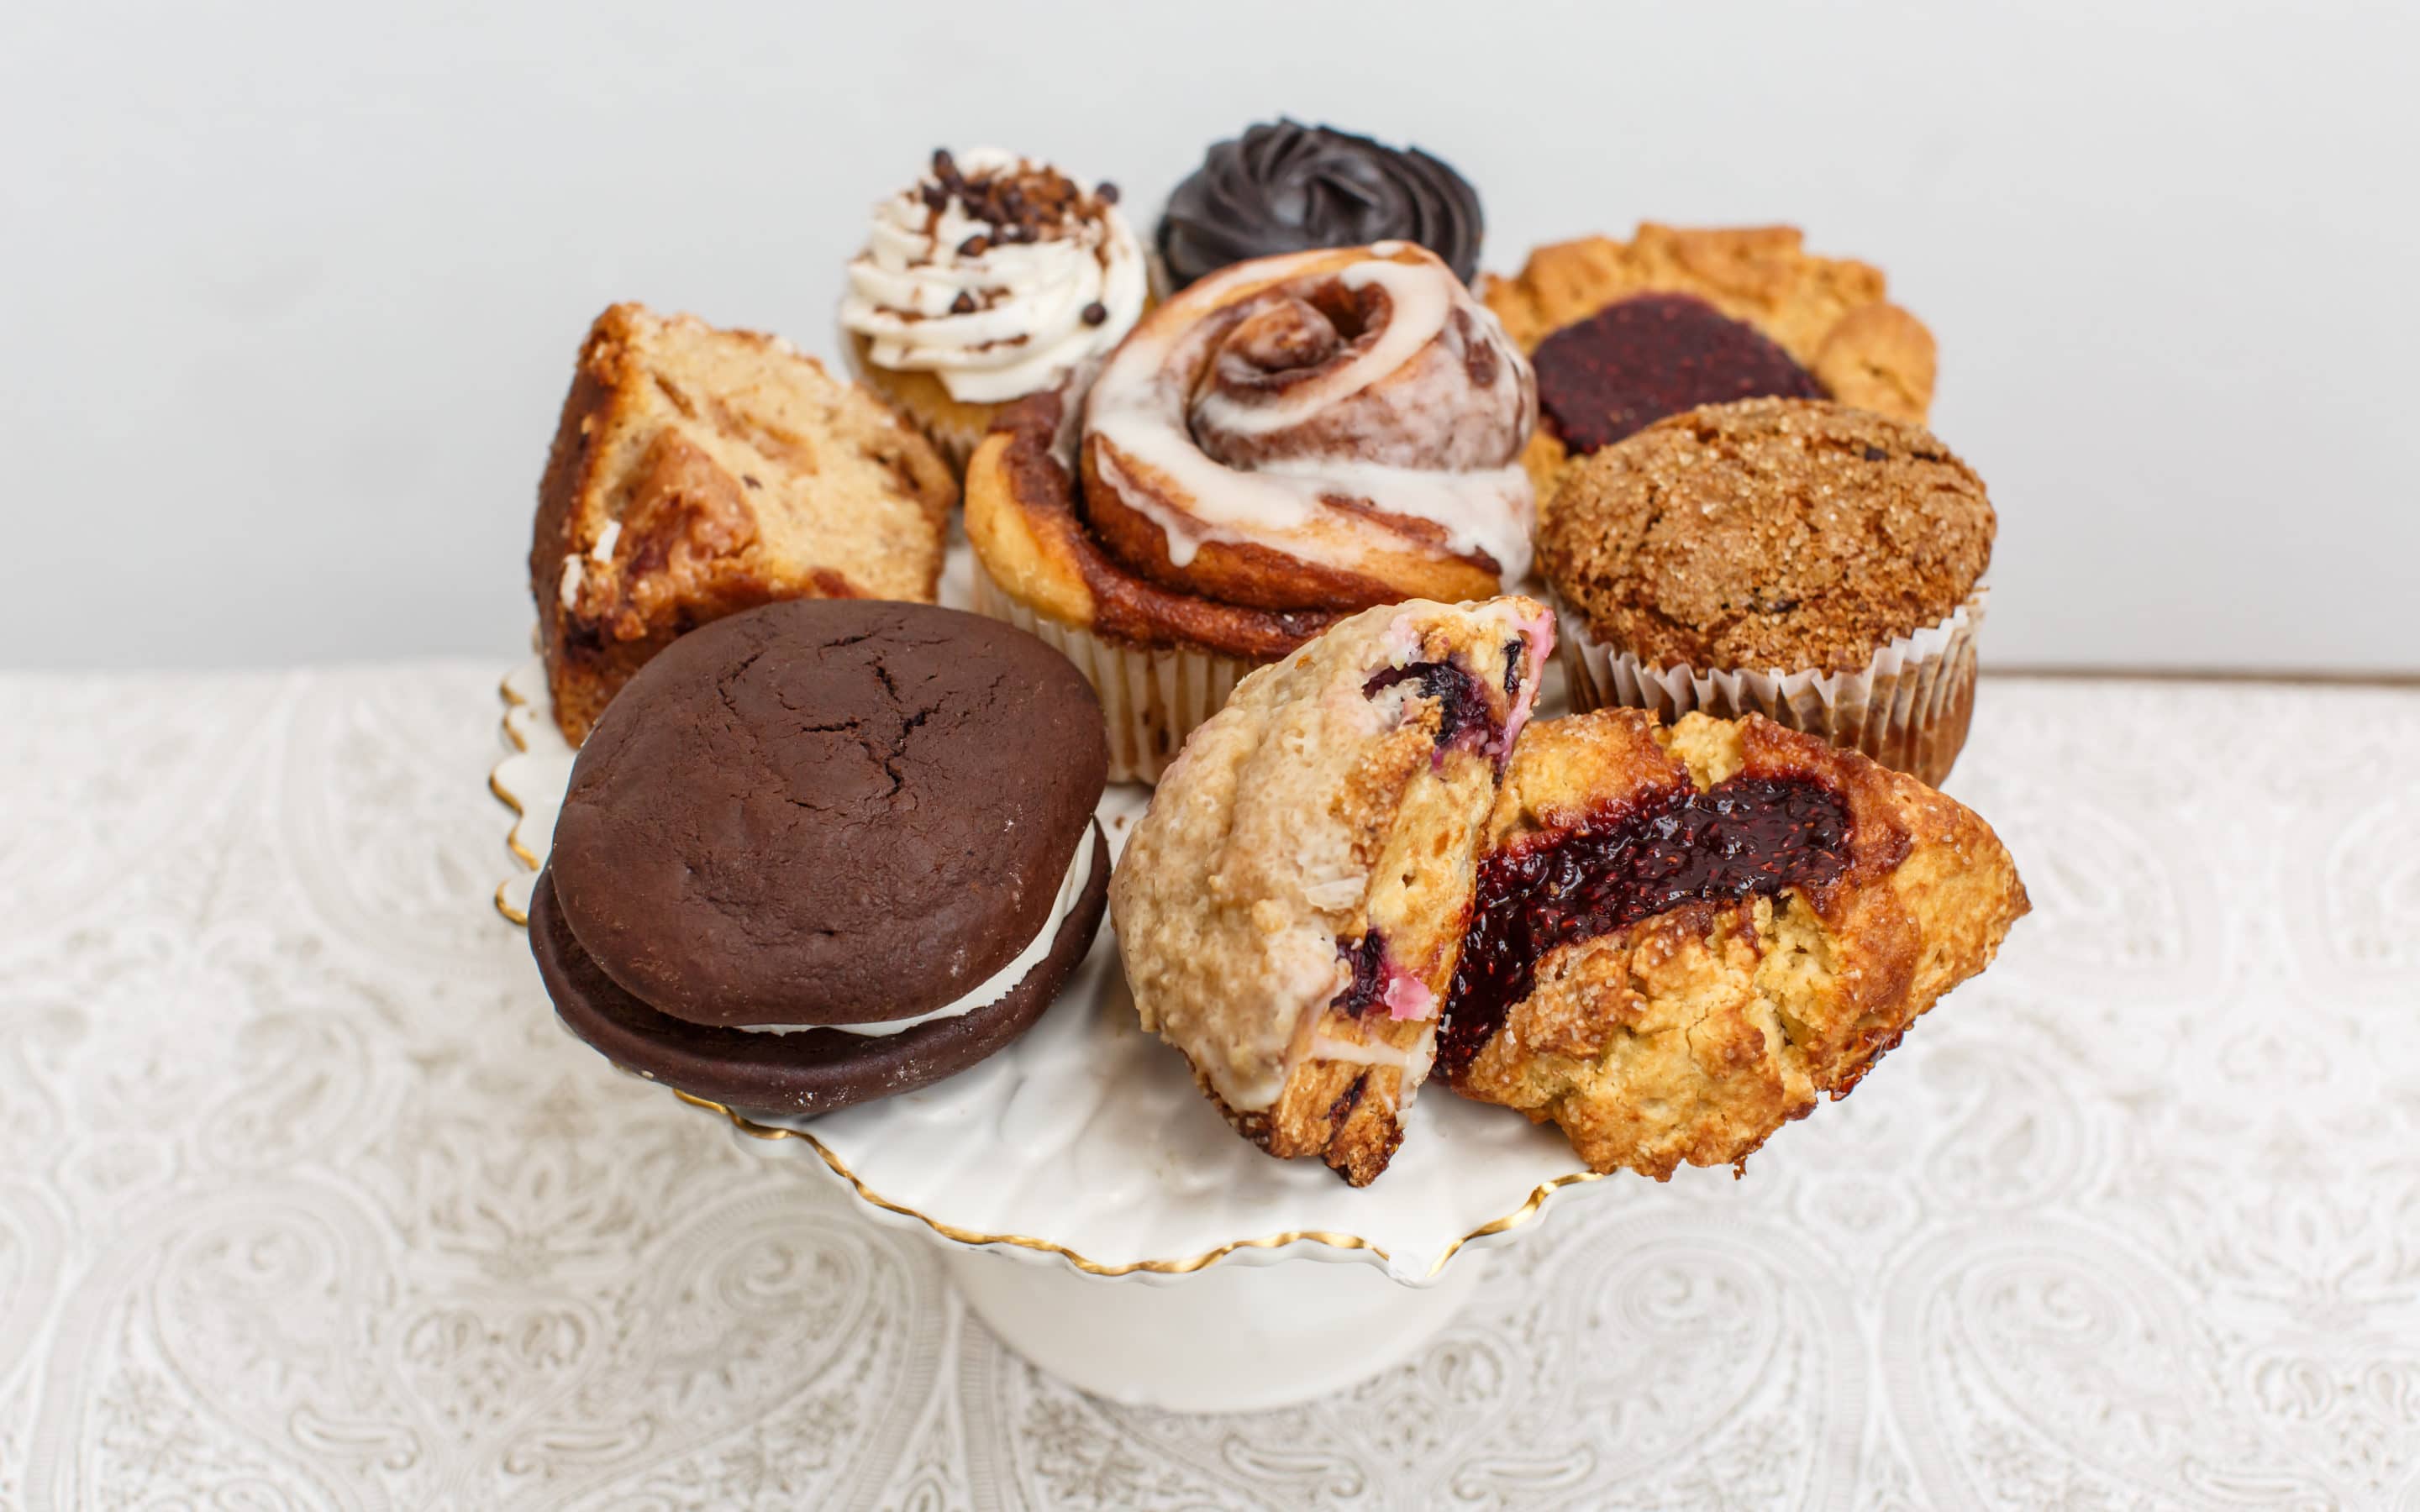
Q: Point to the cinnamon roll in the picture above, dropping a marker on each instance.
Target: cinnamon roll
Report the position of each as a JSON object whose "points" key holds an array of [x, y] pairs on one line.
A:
{"points": [[1285, 443]]}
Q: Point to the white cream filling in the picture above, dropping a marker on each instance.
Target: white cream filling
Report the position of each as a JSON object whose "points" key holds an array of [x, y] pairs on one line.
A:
{"points": [[994, 987], [1028, 331]]}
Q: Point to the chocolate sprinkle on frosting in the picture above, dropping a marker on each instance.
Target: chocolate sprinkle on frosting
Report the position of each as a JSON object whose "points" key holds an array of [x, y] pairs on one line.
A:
{"points": [[1286, 187], [1033, 203]]}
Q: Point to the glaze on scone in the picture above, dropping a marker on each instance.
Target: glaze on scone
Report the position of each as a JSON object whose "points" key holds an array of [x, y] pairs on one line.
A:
{"points": [[697, 472], [1290, 908], [1681, 937]]}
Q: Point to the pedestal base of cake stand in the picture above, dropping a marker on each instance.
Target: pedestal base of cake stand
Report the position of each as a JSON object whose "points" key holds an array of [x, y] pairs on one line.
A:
{"points": [[1227, 1339]]}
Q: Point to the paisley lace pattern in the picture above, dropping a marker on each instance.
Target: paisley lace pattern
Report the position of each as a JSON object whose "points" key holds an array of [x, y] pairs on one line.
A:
{"points": [[305, 1202]]}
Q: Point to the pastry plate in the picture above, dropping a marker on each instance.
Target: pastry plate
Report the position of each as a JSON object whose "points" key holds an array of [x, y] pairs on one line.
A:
{"points": [[1086, 1142]]}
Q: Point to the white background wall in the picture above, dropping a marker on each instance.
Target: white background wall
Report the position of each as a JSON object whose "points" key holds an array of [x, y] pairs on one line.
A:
{"points": [[289, 292]]}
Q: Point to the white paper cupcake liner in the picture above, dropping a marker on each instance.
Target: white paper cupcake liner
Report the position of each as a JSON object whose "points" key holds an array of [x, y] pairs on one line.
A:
{"points": [[1907, 708], [1151, 699]]}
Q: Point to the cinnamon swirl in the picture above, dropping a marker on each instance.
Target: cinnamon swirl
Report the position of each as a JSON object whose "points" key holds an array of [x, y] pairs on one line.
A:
{"points": [[1287, 442]]}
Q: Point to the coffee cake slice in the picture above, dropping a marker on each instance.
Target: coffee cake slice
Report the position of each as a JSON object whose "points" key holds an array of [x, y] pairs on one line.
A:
{"points": [[698, 471]]}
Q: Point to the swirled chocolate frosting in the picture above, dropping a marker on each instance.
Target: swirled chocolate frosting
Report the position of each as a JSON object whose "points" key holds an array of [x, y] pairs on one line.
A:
{"points": [[1286, 187]]}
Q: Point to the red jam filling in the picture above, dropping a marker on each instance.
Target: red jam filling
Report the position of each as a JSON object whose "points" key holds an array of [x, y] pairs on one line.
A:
{"points": [[1378, 984], [1652, 355], [1739, 838], [1368, 956], [1462, 706]]}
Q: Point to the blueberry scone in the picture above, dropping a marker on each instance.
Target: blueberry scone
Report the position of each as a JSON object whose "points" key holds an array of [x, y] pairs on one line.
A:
{"points": [[1291, 907], [1681, 937]]}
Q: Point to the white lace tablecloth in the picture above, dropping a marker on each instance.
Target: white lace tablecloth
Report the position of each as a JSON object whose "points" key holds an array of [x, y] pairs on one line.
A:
{"points": [[305, 1202]]}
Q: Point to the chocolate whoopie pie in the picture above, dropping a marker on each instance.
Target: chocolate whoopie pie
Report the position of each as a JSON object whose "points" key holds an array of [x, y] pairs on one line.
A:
{"points": [[826, 851]]}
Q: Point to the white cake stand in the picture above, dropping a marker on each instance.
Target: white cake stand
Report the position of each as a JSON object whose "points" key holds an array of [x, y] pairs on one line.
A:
{"points": [[1083, 1156]]}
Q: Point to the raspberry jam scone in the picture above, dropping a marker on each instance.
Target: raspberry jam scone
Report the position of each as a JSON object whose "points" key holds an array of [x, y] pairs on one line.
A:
{"points": [[1682, 937], [1291, 907]]}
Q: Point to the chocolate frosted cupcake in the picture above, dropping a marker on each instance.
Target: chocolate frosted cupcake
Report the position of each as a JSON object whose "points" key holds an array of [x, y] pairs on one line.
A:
{"points": [[1797, 559], [992, 278], [1285, 186]]}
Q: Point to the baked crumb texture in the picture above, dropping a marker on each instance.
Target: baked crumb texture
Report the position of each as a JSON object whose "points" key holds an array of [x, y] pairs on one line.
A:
{"points": [[1788, 534], [698, 471], [1290, 908], [1692, 1033]]}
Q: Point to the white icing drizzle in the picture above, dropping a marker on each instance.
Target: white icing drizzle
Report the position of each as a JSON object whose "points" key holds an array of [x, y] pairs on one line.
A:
{"points": [[572, 575], [1149, 403], [1027, 332], [1420, 310], [1324, 1048], [603, 549], [994, 987]]}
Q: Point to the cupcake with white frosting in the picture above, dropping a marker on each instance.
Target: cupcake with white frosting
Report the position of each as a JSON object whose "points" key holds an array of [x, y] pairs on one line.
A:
{"points": [[991, 278]]}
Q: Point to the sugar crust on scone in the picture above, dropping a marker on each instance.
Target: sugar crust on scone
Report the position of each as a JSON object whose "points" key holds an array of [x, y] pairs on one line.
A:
{"points": [[1693, 1034], [1336, 798], [698, 471]]}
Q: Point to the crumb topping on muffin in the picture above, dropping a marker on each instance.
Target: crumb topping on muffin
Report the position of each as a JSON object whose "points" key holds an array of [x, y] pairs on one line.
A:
{"points": [[1779, 534]]}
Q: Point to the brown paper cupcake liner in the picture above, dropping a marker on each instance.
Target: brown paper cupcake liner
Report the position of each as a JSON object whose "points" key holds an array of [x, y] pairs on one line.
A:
{"points": [[1151, 699], [956, 428], [1907, 708]]}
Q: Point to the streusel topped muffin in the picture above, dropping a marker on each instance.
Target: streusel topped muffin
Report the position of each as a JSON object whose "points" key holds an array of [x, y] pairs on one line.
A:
{"points": [[1794, 558], [1769, 534], [1291, 907]]}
